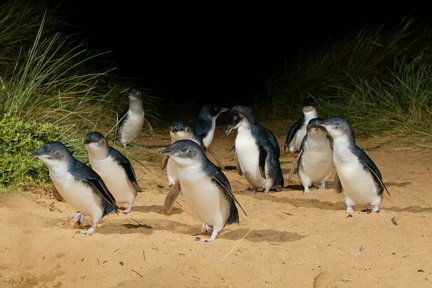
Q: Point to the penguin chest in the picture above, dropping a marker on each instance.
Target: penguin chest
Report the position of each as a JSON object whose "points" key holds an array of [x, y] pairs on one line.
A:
{"points": [[131, 127], [76, 193], [316, 161], [204, 197], [247, 153], [115, 179], [357, 181]]}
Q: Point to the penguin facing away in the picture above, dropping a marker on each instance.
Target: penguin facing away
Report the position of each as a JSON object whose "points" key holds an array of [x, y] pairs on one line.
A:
{"points": [[131, 120], [205, 188], [256, 150], [79, 185], [114, 168], [315, 159], [358, 176], [298, 129], [204, 125]]}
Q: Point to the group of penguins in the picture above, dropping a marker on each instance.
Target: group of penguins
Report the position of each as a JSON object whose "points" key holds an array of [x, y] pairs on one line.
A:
{"points": [[321, 145]]}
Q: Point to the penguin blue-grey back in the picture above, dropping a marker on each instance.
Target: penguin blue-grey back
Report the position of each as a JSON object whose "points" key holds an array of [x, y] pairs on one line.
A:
{"points": [[256, 150], [359, 177], [114, 168], [205, 188], [79, 185]]}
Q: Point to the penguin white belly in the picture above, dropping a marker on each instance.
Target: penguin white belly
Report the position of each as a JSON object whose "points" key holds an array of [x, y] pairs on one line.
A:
{"points": [[317, 164], [247, 153], [295, 143], [115, 179], [77, 193], [203, 196], [357, 182], [131, 127], [209, 137]]}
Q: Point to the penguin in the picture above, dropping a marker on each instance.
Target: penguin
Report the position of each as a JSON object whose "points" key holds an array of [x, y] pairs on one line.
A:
{"points": [[115, 169], [79, 185], [205, 124], [204, 187], [315, 159], [357, 175], [131, 120], [297, 131], [256, 150]]}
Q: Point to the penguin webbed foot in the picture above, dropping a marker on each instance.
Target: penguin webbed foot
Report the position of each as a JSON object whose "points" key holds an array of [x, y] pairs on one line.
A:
{"points": [[350, 212], [89, 231], [77, 217]]}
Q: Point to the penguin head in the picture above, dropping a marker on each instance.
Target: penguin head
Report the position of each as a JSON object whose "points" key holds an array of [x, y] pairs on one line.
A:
{"points": [[52, 153], [239, 115], [179, 129], [95, 142], [337, 127], [211, 111], [184, 152], [312, 125], [135, 96]]}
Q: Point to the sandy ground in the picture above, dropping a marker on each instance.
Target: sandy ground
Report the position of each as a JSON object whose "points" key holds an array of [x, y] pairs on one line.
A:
{"points": [[288, 239]]}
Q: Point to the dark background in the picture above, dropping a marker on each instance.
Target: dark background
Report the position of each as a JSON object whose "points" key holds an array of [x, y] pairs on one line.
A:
{"points": [[216, 52]]}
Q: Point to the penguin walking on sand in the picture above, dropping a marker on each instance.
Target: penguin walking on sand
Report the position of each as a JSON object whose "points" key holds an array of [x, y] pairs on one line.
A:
{"points": [[114, 168], [205, 124], [315, 159], [297, 130], [256, 151], [357, 175], [205, 188], [79, 185], [131, 120]]}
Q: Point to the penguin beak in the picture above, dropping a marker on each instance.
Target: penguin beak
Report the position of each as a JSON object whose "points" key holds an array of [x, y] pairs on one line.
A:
{"points": [[165, 151], [223, 110], [33, 154], [229, 129]]}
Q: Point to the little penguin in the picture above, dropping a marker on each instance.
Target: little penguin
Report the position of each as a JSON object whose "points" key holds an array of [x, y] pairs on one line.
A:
{"points": [[315, 159], [358, 176], [114, 168], [297, 131], [204, 125], [204, 186], [79, 185], [131, 120], [256, 150]]}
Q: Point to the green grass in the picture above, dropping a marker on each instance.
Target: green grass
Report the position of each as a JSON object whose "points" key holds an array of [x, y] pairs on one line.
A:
{"points": [[377, 77]]}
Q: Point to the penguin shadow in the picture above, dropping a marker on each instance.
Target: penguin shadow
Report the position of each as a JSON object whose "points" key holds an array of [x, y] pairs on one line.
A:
{"points": [[156, 209], [261, 235]]}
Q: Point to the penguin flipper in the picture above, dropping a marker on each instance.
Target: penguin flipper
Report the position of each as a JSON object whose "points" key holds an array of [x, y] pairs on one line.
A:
{"points": [[222, 181], [172, 197], [127, 166], [294, 165], [164, 162], [120, 123], [370, 165], [292, 131], [100, 187]]}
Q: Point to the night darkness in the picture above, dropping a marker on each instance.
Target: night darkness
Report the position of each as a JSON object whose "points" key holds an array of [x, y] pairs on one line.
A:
{"points": [[215, 52]]}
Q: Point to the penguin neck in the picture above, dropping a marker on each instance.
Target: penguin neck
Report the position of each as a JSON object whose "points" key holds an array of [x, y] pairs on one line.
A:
{"points": [[136, 106], [342, 149], [317, 137], [245, 126], [308, 115], [99, 153]]}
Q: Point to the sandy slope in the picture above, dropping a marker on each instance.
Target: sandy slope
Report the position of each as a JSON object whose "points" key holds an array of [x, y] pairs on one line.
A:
{"points": [[287, 240]]}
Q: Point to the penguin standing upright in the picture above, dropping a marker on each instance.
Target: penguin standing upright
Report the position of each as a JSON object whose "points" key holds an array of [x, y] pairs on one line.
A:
{"points": [[205, 188], [256, 150], [359, 177], [297, 131], [79, 185], [314, 161], [204, 125], [114, 168], [131, 120]]}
